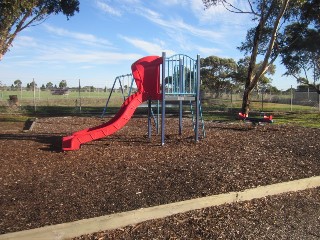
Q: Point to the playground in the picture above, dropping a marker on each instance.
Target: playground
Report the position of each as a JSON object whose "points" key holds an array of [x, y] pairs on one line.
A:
{"points": [[68, 168]]}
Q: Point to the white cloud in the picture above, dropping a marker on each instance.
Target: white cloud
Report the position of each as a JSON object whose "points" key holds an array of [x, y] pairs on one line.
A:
{"points": [[173, 2], [177, 25], [68, 55], [24, 41], [148, 47], [108, 9], [83, 37], [131, 1], [87, 67], [208, 51]]}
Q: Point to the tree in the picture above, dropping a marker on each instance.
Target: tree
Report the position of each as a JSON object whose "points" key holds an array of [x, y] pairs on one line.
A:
{"points": [[301, 55], [49, 85], [242, 70], [269, 16], [217, 73], [63, 84], [17, 84], [300, 51], [16, 16], [42, 87], [31, 86]]}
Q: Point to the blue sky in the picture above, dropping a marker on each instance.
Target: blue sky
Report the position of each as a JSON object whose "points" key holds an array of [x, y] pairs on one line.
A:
{"points": [[106, 37]]}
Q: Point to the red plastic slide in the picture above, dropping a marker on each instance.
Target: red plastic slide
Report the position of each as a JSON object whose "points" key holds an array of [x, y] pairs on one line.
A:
{"points": [[146, 73]]}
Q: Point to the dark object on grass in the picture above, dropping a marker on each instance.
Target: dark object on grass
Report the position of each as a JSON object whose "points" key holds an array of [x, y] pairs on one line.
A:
{"points": [[255, 120]]}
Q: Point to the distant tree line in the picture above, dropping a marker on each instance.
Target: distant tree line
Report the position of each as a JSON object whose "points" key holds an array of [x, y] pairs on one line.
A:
{"points": [[17, 85]]}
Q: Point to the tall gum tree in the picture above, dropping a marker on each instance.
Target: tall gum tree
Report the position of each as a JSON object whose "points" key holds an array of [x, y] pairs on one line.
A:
{"points": [[300, 47], [269, 16], [17, 15]]}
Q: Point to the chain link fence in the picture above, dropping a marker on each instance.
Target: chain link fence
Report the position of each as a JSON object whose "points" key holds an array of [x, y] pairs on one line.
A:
{"points": [[289, 101], [93, 102], [45, 102]]}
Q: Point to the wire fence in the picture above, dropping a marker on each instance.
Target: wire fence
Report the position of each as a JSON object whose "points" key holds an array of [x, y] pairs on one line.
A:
{"points": [[94, 101], [292, 101]]}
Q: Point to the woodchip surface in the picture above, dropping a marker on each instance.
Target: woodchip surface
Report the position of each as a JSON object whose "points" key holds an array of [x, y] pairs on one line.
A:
{"points": [[41, 185]]}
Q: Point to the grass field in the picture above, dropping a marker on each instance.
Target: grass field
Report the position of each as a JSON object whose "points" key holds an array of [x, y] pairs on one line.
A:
{"points": [[92, 103], [73, 99]]}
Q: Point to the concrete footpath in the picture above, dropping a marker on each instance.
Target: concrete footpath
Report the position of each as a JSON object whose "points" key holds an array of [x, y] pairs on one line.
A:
{"points": [[119, 220]]}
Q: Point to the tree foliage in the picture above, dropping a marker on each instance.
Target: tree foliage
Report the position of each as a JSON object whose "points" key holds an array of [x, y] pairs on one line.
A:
{"points": [[300, 47], [17, 15], [63, 84], [17, 83], [242, 71], [49, 85], [269, 16], [31, 86], [217, 73]]}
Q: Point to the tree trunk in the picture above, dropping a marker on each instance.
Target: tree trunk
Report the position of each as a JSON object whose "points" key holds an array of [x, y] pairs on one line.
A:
{"points": [[253, 78], [245, 102]]}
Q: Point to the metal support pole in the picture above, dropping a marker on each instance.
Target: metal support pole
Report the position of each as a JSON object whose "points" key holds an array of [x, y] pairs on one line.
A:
{"points": [[163, 105], [132, 81], [197, 99], [180, 117], [149, 119], [105, 108], [121, 88], [158, 115], [181, 91]]}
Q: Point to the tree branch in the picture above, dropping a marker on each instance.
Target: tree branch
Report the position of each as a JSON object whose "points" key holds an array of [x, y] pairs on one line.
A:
{"points": [[231, 8], [251, 7], [264, 65]]}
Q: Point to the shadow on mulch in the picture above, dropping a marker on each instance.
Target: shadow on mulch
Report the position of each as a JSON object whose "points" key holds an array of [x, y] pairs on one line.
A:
{"points": [[53, 143], [242, 129]]}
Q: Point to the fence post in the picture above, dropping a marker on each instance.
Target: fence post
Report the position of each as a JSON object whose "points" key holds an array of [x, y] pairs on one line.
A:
{"points": [[79, 97], [34, 96], [231, 92], [319, 98], [291, 99]]}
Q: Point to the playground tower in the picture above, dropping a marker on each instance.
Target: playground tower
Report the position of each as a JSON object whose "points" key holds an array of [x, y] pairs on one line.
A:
{"points": [[175, 79]]}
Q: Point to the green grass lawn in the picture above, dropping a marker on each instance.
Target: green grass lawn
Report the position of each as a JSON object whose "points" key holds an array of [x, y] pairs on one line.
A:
{"points": [[305, 119], [92, 103], [300, 119], [282, 113]]}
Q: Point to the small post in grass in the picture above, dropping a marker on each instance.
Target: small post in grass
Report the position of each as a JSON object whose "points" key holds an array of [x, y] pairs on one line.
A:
{"points": [[79, 97], [34, 95], [291, 99]]}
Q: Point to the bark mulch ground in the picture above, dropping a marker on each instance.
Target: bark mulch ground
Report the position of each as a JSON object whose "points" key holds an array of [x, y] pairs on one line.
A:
{"points": [[287, 216], [40, 185]]}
